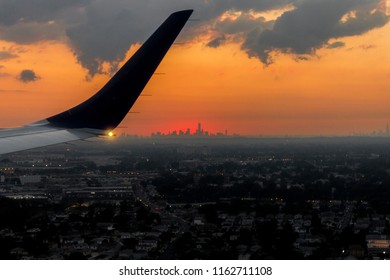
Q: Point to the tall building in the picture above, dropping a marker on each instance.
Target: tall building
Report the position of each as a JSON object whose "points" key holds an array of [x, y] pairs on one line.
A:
{"points": [[199, 131]]}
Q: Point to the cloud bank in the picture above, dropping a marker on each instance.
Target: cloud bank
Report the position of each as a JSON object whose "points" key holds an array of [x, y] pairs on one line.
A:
{"points": [[101, 31], [312, 24], [4, 55]]}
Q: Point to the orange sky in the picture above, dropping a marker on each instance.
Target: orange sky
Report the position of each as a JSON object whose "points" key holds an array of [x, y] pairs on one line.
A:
{"points": [[339, 91]]}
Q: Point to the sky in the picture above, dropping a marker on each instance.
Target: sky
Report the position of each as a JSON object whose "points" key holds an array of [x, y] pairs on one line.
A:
{"points": [[266, 67]]}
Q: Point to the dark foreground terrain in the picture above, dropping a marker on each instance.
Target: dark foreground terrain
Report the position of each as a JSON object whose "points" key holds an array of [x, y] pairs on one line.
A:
{"points": [[198, 198]]}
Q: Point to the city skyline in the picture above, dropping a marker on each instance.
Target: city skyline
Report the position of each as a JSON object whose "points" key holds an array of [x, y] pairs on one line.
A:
{"points": [[228, 69], [200, 130]]}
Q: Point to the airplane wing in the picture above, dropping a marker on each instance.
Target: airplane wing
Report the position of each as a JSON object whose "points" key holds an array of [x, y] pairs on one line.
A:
{"points": [[104, 111]]}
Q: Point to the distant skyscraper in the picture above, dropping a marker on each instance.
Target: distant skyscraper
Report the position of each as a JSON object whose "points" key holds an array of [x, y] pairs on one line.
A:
{"points": [[199, 131]]}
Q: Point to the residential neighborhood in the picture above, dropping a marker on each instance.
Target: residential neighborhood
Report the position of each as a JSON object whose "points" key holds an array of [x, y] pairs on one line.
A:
{"points": [[198, 197]]}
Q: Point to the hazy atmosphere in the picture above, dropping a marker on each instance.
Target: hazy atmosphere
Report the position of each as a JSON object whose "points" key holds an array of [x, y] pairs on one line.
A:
{"points": [[271, 67]]}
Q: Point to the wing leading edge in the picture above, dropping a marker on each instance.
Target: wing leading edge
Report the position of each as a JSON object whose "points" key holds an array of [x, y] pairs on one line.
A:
{"points": [[108, 107]]}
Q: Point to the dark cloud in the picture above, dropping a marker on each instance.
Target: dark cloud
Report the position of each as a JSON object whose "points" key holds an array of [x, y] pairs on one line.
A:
{"points": [[336, 45], [239, 28], [6, 55], [26, 21], [106, 34], [27, 76], [312, 24], [244, 24], [16, 11], [215, 43], [31, 32], [301, 58]]}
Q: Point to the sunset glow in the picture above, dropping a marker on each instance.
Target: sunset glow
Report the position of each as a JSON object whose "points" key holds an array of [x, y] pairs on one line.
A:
{"points": [[334, 91]]}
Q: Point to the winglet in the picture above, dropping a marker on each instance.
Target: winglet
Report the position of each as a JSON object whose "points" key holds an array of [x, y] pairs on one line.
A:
{"points": [[107, 108]]}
